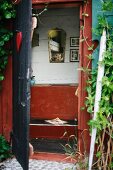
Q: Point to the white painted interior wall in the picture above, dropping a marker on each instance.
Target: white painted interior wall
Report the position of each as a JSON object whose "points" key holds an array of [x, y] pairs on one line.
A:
{"points": [[55, 73]]}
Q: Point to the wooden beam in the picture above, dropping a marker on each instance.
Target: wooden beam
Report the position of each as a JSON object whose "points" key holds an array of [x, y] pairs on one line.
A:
{"points": [[54, 1], [56, 5]]}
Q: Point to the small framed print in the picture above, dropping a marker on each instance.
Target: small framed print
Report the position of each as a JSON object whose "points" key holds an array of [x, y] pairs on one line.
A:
{"points": [[56, 57], [74, 41], [74, 55]]}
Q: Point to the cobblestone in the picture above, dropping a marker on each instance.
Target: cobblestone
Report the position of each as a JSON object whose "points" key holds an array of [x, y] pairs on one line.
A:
{"points": [[12, 164]]}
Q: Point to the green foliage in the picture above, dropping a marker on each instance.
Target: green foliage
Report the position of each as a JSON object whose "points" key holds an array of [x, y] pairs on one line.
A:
{"points": [[7, 12], [104, 118], [71, 147], [106, 103], [5, 149], [72, 151], [102, 23], [6, 9], [91, 87], [107, 6]]}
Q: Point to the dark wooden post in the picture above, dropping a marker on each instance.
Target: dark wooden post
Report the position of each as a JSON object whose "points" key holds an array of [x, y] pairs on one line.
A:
{"points": [[21, 83]]}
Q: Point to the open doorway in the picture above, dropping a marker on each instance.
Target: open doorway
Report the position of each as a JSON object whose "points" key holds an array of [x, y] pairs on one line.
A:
{"points": [[55, 62]]}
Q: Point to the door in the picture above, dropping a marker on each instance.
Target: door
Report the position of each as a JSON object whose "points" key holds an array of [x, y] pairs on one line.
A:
{"points": [[53, 95], [21, 83]]}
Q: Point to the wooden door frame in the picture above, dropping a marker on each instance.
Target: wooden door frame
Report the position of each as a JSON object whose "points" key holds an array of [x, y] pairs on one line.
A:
{"points": [[83, 116]]}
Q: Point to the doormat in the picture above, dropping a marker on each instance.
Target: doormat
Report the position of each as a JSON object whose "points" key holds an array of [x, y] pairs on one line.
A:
{"points": [[48, 145]]}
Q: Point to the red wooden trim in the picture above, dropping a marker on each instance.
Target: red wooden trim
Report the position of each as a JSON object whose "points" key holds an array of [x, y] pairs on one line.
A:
{"points": [[52, 132], [61, 5], [83, 141], [58, 157], [83, 116], [1, 114], [7, 100], [54, 1]]}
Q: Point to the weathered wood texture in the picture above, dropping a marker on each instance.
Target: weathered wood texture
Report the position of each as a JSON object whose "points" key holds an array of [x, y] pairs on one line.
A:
{"points": [[21, 83], [6, 102], [50, 102], [83, 116], [54, 1], [52, 132]]}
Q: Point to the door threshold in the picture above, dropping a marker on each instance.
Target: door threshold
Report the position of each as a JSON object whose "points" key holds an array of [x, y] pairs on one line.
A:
{"points": [[51, 125], [59, 157]]}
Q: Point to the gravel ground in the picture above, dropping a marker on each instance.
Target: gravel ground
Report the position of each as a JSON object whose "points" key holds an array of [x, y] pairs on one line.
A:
{"points": [[12, 164]]}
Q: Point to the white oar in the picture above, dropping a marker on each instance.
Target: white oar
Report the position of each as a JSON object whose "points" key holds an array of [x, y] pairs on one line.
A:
{"points": [[97, 95]]}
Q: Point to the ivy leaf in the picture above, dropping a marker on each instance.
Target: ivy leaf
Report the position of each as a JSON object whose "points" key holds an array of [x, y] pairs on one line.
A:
{"points": [[90, 56], [82, 27], [98, 154], [83, 39], [7, 15], [91, 47], [1, 43], [1, 77], [107, 5], [6, 37], [82, 108], [85, 14]]}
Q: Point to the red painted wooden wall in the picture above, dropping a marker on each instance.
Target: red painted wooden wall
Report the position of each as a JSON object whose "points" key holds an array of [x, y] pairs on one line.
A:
{"points": [[52, 101], [6, 102], [83, 116]]}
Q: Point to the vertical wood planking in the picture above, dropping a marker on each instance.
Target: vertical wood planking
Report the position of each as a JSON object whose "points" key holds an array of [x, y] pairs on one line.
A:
{"points": [[83, 116], [6, 102]]}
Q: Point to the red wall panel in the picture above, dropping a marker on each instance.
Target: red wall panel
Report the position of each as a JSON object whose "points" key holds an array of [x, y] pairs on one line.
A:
{"points": [[52, 132], [1, 116], [49, 102], [6, 102]]}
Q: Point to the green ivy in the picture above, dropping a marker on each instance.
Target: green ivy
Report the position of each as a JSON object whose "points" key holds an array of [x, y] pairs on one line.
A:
{"points": [[5, 149], [106, 103], [7, 12], [104, 119]]}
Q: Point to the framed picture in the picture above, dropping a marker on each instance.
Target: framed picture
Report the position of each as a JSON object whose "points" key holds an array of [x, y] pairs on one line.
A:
{"points": [[74, 41], [74, 55], [56, 57]]}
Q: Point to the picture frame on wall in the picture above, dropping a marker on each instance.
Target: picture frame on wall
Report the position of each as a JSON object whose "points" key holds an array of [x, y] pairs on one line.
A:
{"points": [[56, 57], [74, 41], [74, 55]]}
